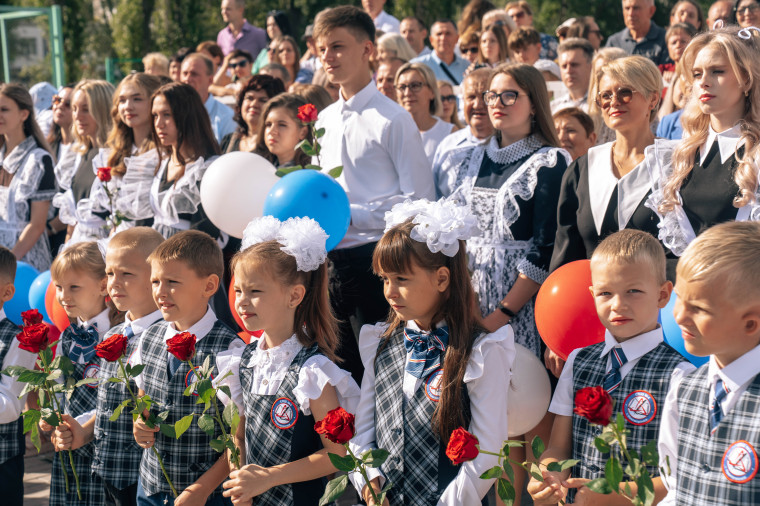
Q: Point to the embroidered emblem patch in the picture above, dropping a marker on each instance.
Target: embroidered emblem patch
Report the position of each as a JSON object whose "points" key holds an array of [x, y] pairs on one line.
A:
{"points": [[639, 408], [433, 385], [740, 462], [191, 378], [91, 371], [284, 413]]}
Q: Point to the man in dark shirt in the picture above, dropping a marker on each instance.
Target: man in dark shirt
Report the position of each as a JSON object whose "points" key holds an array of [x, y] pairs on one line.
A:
{"points": [[641, 35]]}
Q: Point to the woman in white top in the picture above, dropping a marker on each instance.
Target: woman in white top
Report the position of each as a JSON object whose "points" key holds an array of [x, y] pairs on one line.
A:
{"points": [[417, 92]]}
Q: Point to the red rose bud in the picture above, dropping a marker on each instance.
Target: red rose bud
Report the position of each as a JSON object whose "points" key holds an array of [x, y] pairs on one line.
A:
{"points": [[104, 174], [337, 426], [182, 346], [33, 337], [594, 404], [462, 446], [31, 317], [113, 348], [307, 113]]}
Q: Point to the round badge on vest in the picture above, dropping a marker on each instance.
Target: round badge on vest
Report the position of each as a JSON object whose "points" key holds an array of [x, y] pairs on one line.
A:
{"points": [[284, 413], [433, 385], [191, 378], [739, 462], [91, 371], [639, 408]]}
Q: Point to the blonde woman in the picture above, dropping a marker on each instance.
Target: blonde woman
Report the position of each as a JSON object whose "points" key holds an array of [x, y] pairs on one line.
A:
{"points": [[602, 57], [393, 45]]}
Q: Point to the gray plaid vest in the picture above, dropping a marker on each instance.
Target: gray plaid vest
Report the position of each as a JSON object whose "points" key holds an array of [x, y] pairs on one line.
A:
{"points": [[187, 458], [417, 465], [11, 433], [717, 469], [117, 455], [277, 432], [639, 397]]}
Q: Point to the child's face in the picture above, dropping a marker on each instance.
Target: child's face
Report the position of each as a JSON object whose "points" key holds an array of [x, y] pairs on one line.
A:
{"points": [[627, 296], [263, 303], [417, 294], [343, 57], [129, 287], [180, 293], [712, 323], [282, 132], [716, 87], [81, 294]]}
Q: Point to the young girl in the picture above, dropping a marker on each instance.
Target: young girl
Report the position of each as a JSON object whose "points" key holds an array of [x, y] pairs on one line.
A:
{"points": [[431, 367], [713, 176], [280, 132], [286, 380], [79, 277]]}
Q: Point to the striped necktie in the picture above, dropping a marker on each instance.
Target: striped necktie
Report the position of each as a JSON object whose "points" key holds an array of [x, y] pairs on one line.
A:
{"points": [[613, 378], [716, 411], [128, 331]]}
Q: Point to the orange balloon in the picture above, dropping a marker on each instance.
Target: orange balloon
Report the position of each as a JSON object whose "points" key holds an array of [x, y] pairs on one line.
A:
{"points": [[565, 313], [238, 320], [55, 310], [53, 335]]}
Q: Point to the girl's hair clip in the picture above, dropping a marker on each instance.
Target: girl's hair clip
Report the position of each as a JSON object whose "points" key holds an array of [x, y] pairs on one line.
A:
{"points": [[441, 225], [746, 33], [301, 238], [718, 24]]}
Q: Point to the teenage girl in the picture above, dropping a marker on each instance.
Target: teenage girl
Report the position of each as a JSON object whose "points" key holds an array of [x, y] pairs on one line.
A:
{"points": [[280, 131]]}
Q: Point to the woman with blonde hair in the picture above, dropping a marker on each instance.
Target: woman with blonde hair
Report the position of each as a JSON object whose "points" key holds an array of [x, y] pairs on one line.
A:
{"points": [[393, 45], [602, 57], [417, 92]]}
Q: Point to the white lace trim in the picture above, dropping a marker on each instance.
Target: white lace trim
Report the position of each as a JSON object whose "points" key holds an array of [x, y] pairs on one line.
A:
{"points": [[183, 197], [26, 164], [532, 271], [514, 151]]}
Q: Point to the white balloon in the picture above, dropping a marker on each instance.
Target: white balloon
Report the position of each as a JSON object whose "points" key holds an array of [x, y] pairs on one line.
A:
{"points": [[234, 188], [529, 393]]}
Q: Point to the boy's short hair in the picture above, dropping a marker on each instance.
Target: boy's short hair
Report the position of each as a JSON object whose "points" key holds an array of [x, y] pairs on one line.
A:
{"points": [[141, 240], [350, 17], [573, 43], [573, 112], [7, 265], [198, 250], [523, 37], [632, 246], [730, 253]]}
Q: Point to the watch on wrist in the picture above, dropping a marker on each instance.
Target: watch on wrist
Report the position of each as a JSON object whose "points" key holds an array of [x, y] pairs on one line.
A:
{"points": [[504, 309]]}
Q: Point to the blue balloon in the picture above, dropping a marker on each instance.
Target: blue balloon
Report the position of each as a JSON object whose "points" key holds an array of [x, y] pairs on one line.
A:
{"points": [[37, 294], [672, 333], [310, 193], [25, 276]]}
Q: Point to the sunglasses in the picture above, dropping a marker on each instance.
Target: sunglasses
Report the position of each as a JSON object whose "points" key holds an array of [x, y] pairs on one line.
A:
{"points": [[236, 64], [58, 101], [506, 98], [469, 50], [622, 95], [415, 87], [449, 98]]}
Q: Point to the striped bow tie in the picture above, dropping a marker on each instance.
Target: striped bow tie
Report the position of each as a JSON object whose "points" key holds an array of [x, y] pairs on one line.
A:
{"points": [[85, 340], [426, 349]]}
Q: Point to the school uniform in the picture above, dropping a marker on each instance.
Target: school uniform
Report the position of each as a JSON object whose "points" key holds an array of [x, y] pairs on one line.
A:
{"points": [[713, 463], [116, 453], [648, 369], [189, 457], [78, 343], [273, 388], [11, 423], [396, 408]]}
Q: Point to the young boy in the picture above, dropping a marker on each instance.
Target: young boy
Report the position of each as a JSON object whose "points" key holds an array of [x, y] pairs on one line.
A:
{"points": [[116, 455], [11, 425], [633, 364], [185, 273], [710, 431]]}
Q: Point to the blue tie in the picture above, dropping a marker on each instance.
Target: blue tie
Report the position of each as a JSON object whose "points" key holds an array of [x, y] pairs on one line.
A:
{"points": [[128, 331], [716, 411], [85, 340], [426, 349], [613, 378]]}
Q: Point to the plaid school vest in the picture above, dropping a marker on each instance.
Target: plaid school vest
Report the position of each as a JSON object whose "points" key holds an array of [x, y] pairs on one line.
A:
{"points": [[188, 457], [720, 468], [417, 465], [11, 433], [639, 397], [277, 432]]}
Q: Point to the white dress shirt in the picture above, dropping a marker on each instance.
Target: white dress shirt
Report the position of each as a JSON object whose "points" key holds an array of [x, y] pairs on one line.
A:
{"points": [[727, 142], [387, 23], [446, 163], [378, 144], [10, 405], [487, 377], [221, 117], [736, 378], [566, 102]]}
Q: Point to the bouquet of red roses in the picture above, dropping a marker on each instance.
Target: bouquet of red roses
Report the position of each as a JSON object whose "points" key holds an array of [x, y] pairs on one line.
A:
{"points": [[307, 114]]}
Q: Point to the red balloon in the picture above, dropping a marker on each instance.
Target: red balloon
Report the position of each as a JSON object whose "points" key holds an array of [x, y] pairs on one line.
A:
{"points": [[238, 320], [55, 310], [53, 335], [565, 313]]}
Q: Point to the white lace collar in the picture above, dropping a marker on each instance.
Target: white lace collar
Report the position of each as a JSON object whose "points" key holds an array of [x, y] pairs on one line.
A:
{"points": [[11, 162], [514, 151], [727, 142], [279, 355]]}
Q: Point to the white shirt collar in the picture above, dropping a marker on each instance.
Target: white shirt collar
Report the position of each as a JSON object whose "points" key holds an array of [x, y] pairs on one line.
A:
{"points": [[282, 354], [635, 347], [2, 314], [515, 151], [101, 321], [411, 324], [738, 373], [727, 142], [200, 328], [139, 325], [360, 99]]}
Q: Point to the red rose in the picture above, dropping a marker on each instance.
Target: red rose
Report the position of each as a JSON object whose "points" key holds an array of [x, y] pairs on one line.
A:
{"points": [[337, 426], [182, 346], [594, 404], [462, 446], [307, 113], [104, 174], [113, 348], [31, 317], [33, 337]]}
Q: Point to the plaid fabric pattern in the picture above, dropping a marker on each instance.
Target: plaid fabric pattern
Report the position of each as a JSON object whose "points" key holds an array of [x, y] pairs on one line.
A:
{"points": [[116, 453], [11, 433], [187, 458], [267, 445], [651, 373], [703, 470]]}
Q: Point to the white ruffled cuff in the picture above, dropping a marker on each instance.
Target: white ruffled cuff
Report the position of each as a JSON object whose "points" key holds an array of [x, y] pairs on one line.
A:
{"points": [[66, 207], [229, 362], [504, 338], [315, 374]]}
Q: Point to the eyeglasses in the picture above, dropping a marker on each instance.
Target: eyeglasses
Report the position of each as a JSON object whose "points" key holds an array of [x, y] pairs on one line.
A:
{"points": [[235, 64], [469, 50], [415, 87], [271, 48], [748, 9], [448, 98], [622, 95], [57, 100], [506, 98]]}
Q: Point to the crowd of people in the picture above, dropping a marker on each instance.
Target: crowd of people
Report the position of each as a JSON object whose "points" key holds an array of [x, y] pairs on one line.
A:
{"points": [[535, 149]]}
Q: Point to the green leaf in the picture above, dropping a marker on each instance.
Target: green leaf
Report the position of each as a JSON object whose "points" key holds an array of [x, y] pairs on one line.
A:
{"points": [[537, 445], [183, 424], [646, 488], [599, 485], [34, 435], [115, 380], [507, 466], [310, 166], [345, 464], [13, 370], [202, 387], [31, 419], [554, 467], [334, 489], [167, 430], [335, 172], [493, 473], [54, 375], [649, 454], [86, 381], [319, 132], [34, 377], [50, 416], [506, 491], [28, 388], [206, 367], [284, 171], [228, 415], [217, 444], [375, 457], [206, 424], [567, 464], [613, 471], [136, 370], [620, 421], [118, 410], [226, 390], [162, 416], [189, 390], [65, 364], [535, 471], [601, 445]]}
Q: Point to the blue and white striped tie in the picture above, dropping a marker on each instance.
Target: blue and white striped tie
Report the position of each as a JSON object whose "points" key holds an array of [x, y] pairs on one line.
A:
{"points": [[613, 378], [716, 411]]}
